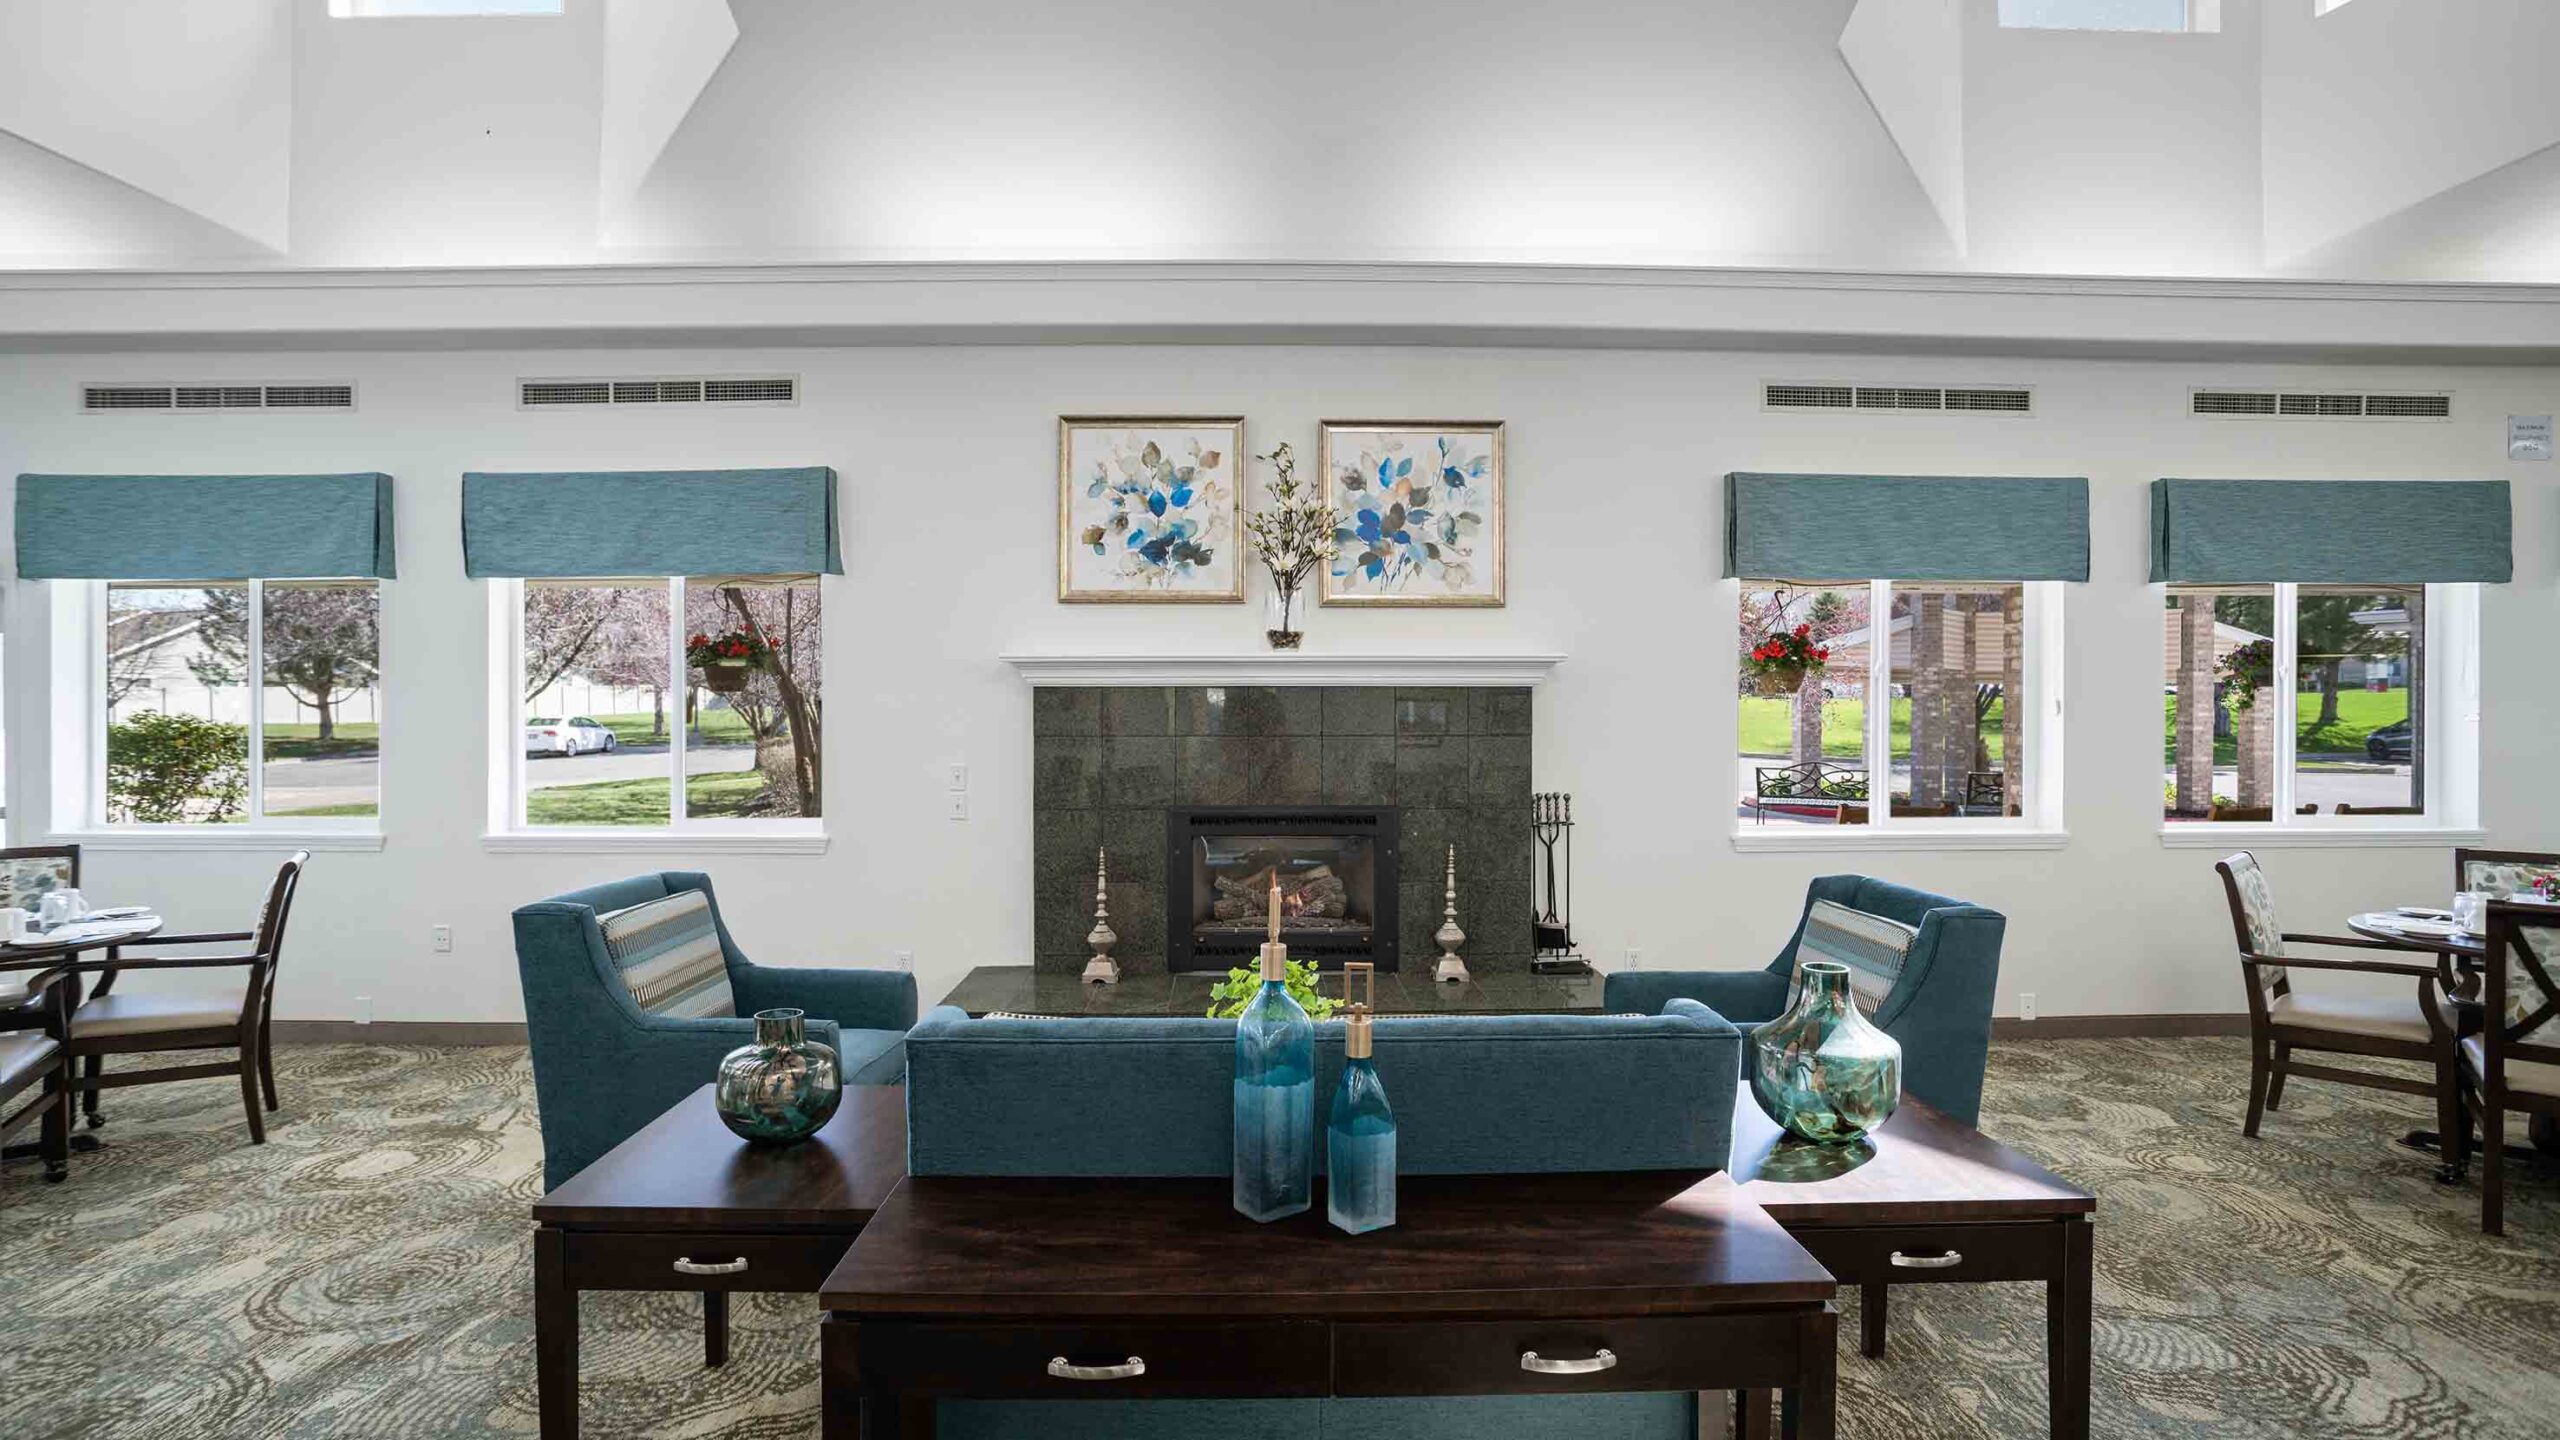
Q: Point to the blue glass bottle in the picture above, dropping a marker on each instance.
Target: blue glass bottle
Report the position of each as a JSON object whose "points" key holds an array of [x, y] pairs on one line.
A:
{"points": [[1360, 1131], [1275, 1098]]}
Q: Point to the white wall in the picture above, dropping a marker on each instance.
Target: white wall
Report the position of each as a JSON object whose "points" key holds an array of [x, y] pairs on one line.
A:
{"points": [[947, 458]]}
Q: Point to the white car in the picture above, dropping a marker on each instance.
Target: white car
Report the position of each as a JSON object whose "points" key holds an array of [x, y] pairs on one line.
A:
{"points": [[576, 735]]}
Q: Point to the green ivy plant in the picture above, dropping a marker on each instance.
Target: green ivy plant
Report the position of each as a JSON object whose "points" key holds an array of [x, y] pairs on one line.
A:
{"points": [[1227, 1000]]}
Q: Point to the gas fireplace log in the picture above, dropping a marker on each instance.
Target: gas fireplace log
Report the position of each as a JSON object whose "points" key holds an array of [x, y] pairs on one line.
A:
{"points": [[1317, 892]]}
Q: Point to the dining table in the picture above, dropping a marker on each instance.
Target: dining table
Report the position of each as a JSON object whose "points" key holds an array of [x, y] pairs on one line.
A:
{"points": [[61, 946], [2469, 952]]}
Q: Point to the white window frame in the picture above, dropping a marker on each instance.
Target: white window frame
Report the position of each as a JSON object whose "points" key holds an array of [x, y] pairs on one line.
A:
{"points": [[80, 740], [683, 834], [2452, 800], [2204, 17], [2039, 823]]}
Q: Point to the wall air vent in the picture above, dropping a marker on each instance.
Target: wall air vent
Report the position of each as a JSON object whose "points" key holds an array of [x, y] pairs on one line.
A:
{"points": [[2320, 405], [212, 396], [1904, 399], [660, 390]]}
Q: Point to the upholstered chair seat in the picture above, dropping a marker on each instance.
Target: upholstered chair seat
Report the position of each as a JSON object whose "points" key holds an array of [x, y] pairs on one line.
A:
{"points": [[24, 1055], [2394, 1017], [2524, 1077], [147, 1014]]}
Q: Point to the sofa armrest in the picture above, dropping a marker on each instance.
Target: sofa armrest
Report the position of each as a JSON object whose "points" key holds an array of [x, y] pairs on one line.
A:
{"points": [[854, 999], [1741, 997]]}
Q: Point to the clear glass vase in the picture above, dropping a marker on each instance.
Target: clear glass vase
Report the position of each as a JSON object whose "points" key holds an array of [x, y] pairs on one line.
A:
{"points": [[1279, 612], [1275, 1106], [1821, 1070], [781, 1088]]}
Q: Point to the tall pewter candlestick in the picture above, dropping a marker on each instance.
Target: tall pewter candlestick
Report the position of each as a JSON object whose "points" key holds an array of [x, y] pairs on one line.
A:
{"points": [[1449, 937], [1102, 969]]}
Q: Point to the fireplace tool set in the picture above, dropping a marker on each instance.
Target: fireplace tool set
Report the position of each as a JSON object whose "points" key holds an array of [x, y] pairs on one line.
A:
{"points": [[1551, 910]]}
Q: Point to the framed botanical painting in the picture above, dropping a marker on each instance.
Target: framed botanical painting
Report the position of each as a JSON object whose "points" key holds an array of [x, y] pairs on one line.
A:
{"points": [[1421, 504], [1151, 510]]}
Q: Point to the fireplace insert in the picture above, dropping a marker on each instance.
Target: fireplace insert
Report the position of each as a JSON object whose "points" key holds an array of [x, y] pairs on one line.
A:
{"points": [[1336, 865]]}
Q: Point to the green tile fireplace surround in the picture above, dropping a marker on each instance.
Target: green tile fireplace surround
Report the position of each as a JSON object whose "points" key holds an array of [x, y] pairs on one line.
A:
{"points": [[1107, 762]]}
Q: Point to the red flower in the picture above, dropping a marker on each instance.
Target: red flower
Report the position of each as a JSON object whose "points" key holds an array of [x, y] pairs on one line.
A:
{"points": [[1823, 654], [1803, 630]]}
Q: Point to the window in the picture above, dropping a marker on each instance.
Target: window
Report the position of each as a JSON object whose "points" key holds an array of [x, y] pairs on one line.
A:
{"points": [[1957, 739], [191, 739], [2311, 705], [388, 9], [2323, 7], [621, 686], [2157, 15]]}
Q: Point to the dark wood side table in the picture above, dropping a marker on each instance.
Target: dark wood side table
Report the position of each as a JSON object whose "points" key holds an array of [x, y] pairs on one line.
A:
{"points": [[686, 1205], [1928, 1201], [1490, 1284]]}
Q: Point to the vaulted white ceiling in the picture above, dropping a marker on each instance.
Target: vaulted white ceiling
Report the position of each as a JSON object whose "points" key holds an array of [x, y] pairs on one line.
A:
{"points": [[2391, 138]]}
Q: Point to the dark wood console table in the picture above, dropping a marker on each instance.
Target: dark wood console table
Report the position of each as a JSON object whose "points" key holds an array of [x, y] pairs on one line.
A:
{"points": [[1496, 1284], [686, 1205]]}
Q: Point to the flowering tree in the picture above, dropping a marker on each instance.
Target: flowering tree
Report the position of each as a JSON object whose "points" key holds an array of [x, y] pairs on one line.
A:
{"points": [[321, 643], [780, 703]]}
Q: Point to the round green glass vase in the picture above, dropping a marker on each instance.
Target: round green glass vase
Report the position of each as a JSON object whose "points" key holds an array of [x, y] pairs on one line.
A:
{"points": [[781, 1088], [1820, 1070]]}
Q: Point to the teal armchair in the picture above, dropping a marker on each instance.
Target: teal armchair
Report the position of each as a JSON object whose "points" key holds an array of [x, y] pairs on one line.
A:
{"points": [[603, 1067], [1940, 1008]]}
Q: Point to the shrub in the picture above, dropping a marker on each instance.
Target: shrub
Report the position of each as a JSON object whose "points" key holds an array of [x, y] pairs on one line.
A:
{"points": [[165, 769]]}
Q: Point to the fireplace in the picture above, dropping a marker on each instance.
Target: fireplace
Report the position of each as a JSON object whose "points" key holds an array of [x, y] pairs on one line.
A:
{"points": [[1336, 866]]}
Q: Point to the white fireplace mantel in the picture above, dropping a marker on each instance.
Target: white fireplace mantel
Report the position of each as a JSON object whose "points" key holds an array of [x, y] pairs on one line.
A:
{"points": [[1284, 668]]}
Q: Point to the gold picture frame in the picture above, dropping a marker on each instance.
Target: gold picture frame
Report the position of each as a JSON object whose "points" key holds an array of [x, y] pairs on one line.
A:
{"points": [[1138, 523], [1358, 456]]}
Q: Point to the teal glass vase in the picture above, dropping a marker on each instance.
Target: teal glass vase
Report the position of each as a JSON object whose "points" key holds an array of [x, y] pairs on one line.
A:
{"points": [[1275, 1105], [1360, 1152], [782, 1088], [1820, 1070]]}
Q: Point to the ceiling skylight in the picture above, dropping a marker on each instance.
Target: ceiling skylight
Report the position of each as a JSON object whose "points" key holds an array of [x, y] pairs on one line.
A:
{"points": [[383, 9], [2158, 15]]}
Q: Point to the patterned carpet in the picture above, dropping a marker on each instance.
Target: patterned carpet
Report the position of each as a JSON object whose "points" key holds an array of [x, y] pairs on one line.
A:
{"points": [[366, 1273]]}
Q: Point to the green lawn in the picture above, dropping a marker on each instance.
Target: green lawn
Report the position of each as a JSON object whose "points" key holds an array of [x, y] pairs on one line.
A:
{"points": [[641, 802], [2360, 713], [303, 742], [1768, 727], [719, 727], [355, 809]]}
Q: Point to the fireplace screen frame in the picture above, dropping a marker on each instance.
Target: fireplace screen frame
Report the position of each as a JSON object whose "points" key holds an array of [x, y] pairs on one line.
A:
{"points": [[1381, 825]]}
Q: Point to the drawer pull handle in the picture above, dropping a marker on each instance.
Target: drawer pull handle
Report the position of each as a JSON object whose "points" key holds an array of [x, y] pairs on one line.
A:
{"points": [[1129, 1369], [687, 1265], [1945, 1261], [1600, 1360]]}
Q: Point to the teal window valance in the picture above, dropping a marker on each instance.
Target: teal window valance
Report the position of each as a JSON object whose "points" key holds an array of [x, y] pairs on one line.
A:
{"points": [[650, 522], [1905, 527], [2360, 531], [204, 527]]}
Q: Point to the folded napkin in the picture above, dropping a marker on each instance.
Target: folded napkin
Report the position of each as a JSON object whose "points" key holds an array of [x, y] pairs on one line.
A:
{"points": [[96, 929]]}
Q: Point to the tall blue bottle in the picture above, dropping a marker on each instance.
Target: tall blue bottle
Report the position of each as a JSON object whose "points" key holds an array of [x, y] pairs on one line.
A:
{"points": [[1275, 1094], [1360, 1131]]}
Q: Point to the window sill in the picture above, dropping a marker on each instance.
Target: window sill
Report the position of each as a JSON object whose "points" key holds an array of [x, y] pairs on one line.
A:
{"points": [[2253, 835], [621, 842], [1812, 838], [218, 837]]}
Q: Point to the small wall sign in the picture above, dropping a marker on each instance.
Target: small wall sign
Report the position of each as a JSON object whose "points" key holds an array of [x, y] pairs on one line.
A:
{"points": [[2528, 437]]}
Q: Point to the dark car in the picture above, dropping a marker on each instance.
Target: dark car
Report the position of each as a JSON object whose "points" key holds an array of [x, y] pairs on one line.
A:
{"points": [[2395, 741]]}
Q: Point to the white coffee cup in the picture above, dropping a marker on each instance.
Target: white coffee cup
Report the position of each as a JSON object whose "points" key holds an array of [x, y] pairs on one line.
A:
{"points": [[60, 907], [15, 926]]}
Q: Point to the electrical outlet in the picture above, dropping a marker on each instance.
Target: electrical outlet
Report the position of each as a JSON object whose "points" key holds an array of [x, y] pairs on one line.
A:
{"points": [[1635, 958], [364, 1009], [2026, 1004], [905, 960], [959, 778], [959, 805], [443, 935]]}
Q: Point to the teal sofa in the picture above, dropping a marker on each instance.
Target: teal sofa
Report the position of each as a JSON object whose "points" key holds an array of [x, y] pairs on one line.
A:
{"points": [[603, 1067], [1472, 1095], [1939, 1008]]}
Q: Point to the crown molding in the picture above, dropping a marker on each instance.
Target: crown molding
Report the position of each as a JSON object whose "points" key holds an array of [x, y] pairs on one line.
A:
{"points": [[1284, 668]]}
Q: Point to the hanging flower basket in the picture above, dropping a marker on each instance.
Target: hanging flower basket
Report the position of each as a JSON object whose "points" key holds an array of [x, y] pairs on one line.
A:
{"points": [[727, 662], [1779, 664]]}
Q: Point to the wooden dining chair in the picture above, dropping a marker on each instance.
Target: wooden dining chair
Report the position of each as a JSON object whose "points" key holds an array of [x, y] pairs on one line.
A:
{"points": [[2283, 1020], [2513, 1064], [111, 1023], [34, 1061]]}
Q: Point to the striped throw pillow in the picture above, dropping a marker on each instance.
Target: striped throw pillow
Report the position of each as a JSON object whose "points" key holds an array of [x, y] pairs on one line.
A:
{"points": [[1872, 946], [669, 954]]}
